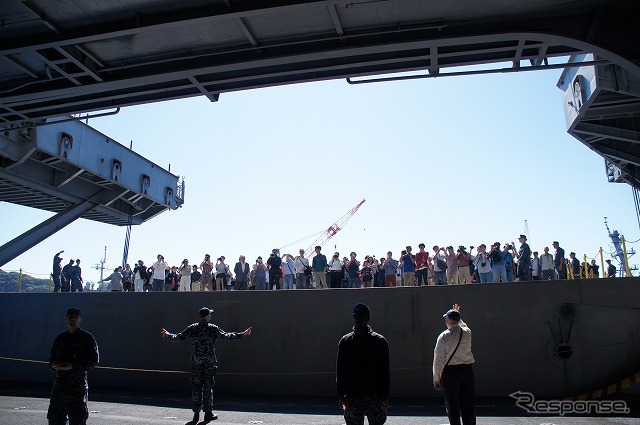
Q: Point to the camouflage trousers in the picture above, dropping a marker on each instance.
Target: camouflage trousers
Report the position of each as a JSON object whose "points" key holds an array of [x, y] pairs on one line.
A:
{"points": [[524, 272], [68, 401], [203, 379], [369, 406]]}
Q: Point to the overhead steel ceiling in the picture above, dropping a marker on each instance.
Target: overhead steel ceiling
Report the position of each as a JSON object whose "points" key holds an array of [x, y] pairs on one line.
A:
{"points": [[69, 56]]}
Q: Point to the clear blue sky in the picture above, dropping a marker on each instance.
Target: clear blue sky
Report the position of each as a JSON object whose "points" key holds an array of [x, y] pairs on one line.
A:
{"points": [[459, 160]]}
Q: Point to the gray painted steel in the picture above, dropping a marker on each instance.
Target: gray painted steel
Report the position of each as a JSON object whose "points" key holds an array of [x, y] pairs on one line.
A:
{"points": [[31, 238], [72, 56], [602, 110], [516, 329], [71, 169], [66, 162], [76, 55]]}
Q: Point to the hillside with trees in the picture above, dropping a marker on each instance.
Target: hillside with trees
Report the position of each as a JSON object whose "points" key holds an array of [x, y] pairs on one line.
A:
{"points": [[9, 283]]}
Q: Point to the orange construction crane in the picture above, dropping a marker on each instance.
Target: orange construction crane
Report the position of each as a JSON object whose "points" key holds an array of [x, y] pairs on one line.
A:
{"points": [[332, 230]]}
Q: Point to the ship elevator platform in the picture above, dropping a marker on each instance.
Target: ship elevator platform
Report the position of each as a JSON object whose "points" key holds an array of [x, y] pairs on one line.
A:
{"points": [[68, 168]]}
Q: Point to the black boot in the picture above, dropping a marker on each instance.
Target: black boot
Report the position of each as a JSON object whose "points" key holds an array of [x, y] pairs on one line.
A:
{"points": [[209, 416], [196, 418]]}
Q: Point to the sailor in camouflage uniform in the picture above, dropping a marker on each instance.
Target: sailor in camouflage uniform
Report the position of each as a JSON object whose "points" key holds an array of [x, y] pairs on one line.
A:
{"points": [[362, 372], [524, 260], [76, 277], [57, 272], [74, 352], [203, 360]]}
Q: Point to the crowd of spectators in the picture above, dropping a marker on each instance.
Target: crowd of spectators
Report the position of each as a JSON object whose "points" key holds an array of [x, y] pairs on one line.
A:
{"points": [[439, 266]]}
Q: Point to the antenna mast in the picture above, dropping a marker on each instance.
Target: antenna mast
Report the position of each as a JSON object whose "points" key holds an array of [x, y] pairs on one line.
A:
{"points": [[100, 266]]}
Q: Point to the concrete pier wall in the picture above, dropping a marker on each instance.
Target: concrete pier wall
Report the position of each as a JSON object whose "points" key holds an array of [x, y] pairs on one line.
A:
{"points": [[516, 331]]}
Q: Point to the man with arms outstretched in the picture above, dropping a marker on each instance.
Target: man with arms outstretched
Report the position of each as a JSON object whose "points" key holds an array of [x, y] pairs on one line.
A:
{"points": [[203, 360]]}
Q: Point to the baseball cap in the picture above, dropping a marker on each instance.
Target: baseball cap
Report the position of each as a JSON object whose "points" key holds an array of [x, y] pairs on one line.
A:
{"points": [[205, 311], [361, 311], [74, 311], [452, 314]]}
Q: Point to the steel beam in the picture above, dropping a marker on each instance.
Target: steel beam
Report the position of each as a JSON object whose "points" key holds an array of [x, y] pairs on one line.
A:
{"points": [[158, 22], [31, 238], [619, 155], [615, 133], [247, 32], [336, 19]]}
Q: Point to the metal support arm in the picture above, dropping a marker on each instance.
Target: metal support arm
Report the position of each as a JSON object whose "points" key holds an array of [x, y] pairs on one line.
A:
{"points": [[31, 238]]}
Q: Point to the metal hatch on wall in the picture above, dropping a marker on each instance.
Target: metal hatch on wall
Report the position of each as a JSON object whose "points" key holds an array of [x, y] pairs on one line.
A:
{"points": [[71, 169]]}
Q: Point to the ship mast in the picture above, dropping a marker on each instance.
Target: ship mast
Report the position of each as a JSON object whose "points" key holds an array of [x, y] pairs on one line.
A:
{"points": [[619, 253]]}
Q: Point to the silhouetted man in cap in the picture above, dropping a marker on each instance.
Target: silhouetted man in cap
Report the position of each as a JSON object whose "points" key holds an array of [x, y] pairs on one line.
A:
{"points": [[57, 272], [611, 269], [362, 372], [73, 353]]}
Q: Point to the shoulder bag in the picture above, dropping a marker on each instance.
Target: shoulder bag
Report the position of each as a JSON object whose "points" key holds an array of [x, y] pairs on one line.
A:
{"points": [[451, 356], [306, 269]]}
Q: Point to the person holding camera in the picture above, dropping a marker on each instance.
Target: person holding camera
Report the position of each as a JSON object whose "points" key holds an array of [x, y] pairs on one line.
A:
{"points": [[379, 266], [345, 273], [408, 264], [139, 276], [185, 275], [335, 271], [462, 261], [127, 278], [508, 262], [222, 274], [439, 266], [452, 266], [275, 269], [289, 277], [159, 268], [303, 272], [353, 271], [422, 265], [390, 266], [260, 270], [367, 273], [483, 265], [207, 268], [171, 281], [497, 263]]}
